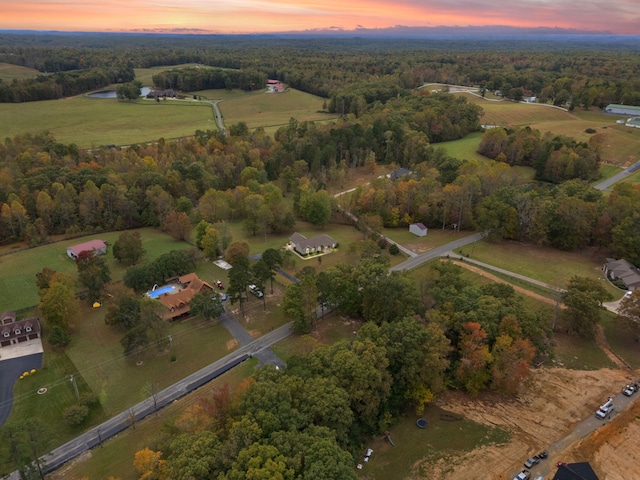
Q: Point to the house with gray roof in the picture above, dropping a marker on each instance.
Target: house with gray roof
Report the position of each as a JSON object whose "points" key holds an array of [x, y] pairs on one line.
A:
{"points": [[322, 243], [624, 271]]}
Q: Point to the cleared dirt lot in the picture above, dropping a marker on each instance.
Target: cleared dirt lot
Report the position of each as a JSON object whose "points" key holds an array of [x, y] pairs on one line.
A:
{"points": [[550, 405]]}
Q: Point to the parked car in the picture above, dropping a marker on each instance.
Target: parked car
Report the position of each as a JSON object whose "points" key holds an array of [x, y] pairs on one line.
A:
{"points": [[256, 291], [368, 454], [532, 461], [543, 454], [224, 297], [630, 389], [523, 475]]}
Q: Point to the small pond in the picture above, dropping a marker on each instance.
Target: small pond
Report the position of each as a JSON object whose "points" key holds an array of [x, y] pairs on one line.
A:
{"points": [[112, 93]]}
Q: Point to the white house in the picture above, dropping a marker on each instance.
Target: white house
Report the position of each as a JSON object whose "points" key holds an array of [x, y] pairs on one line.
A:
{"points": [[418, 229]]}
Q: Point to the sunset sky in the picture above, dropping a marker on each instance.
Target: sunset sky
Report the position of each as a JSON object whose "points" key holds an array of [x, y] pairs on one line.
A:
{"points": [[255, 16]]}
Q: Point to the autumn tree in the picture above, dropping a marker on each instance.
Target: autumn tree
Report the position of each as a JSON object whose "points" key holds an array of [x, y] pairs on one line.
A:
{"points": [[58, 302], [511, 363], [150, 465], [177, 224], [235, 251], [472, 371], [128, 248]]}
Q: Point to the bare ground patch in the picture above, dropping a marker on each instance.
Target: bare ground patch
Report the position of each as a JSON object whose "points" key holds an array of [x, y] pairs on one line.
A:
{"points": [[552, 402]]}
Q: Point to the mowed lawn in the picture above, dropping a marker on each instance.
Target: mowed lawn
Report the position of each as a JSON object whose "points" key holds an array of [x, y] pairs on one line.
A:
{"points": [[546, 264], [115, 458], [273, 109], [119, 382], [92, 122], [18, 270]]}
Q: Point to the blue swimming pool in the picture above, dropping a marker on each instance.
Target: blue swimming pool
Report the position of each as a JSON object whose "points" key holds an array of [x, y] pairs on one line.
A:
{"points": [[159, 291]]}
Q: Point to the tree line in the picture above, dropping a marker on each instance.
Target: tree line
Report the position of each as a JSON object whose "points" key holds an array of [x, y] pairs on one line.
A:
{"points": [[580, 73]]}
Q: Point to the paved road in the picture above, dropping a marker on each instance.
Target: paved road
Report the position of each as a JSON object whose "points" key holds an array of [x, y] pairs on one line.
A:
{"points": [[443, 250], [10, 371], [581, 430], [604, 185], [120, 422]]}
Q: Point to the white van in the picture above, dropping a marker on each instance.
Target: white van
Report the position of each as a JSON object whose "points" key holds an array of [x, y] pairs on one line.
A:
{"points": [[605, 409]]}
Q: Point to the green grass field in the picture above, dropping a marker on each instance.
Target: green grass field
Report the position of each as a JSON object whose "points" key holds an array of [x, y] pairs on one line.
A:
{"points": [[9, 72], [115, 458], [18, 281], [273, 109], [546, 264], [619, 145], [119, 382], [92, 122]]}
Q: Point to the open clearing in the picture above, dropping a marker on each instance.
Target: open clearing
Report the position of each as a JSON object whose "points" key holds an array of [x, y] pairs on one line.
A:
{"points": [[619, 145], [273, 109], [9, 72], [92, 122]]}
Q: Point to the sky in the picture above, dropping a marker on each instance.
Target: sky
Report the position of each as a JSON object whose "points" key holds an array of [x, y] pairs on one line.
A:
{"points": [[265, 16]]}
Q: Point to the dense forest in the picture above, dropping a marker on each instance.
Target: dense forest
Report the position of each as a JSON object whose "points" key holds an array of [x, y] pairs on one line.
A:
{"points": [[576, 71]]}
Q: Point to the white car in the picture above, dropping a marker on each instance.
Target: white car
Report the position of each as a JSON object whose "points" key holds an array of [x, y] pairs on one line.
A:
{"points": [[523, 475], [256, 291], [368, 454]]}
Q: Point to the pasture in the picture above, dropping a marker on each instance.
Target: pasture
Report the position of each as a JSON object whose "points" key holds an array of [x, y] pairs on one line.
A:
{"points": [[619, 145], [92, 122], [273, 110], [10, 72], [18, 278]]}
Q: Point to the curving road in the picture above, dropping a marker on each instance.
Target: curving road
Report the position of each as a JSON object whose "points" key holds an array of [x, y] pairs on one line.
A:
{"points": [[605, 184], [122, 421]]}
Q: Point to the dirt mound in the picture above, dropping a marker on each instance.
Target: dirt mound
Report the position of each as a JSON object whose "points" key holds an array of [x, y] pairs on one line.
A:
{"points": [[552, 402]]}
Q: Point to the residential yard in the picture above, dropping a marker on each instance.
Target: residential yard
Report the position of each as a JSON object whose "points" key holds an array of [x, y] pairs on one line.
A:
{"points": [[18, 270], [119, 381], [115, 458], [546, 264], [622, 339]]}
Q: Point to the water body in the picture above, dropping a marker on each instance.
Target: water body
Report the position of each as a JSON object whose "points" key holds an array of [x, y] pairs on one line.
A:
{"points": [[112, 93]]}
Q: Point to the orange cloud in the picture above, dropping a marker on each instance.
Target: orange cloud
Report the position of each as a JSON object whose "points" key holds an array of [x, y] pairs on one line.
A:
{"points": [[239, 16]]}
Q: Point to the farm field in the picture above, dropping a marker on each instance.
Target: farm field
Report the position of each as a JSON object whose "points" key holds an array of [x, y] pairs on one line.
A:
{"points": [[620, 145], [9, 72], [92, 122], [18, 278], [271, 110]]}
